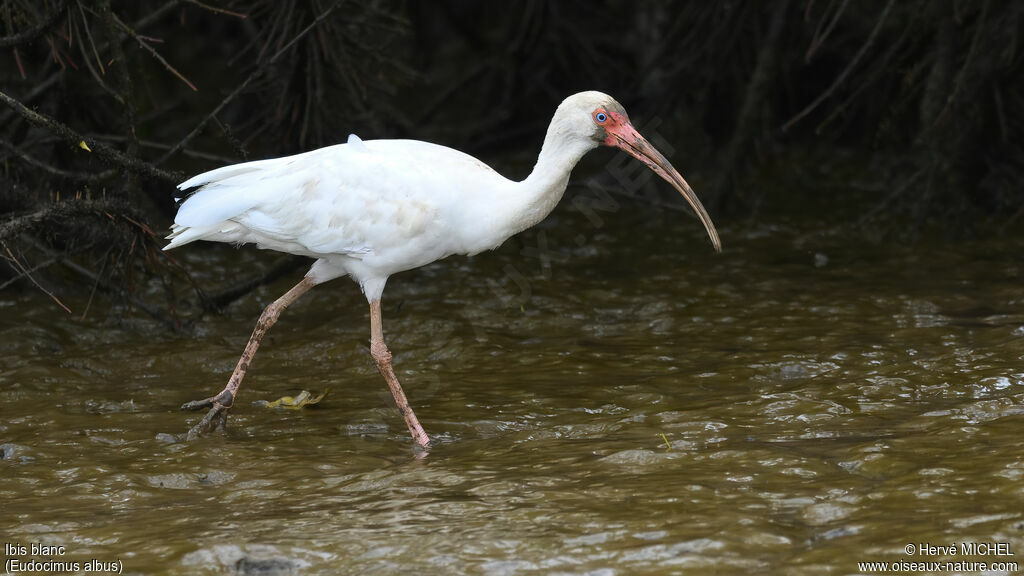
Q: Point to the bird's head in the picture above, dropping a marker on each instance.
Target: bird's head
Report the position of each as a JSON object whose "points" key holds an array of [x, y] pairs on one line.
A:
{"points": [[606, 123]]}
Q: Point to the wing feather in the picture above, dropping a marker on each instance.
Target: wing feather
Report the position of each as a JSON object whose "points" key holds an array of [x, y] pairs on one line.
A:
{"points": [[395, 201]]}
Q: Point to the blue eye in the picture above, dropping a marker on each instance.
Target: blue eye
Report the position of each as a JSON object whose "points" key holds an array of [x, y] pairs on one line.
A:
{"points": [[601, 117]]}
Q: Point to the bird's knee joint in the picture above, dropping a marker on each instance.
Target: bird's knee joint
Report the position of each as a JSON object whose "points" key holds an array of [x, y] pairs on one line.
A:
{"points": [[380, 352], [270, 313], [225, 398]]}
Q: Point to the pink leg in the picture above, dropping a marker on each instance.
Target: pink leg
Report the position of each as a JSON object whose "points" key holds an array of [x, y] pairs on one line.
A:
{"points": [[221, 403], [382, 355]]}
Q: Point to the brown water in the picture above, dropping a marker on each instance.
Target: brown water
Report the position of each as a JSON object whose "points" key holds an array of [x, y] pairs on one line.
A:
{"points": [[795, 405]]}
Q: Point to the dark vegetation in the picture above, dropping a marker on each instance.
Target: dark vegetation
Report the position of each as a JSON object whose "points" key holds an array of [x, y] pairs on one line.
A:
{"points": [[108, 104]]}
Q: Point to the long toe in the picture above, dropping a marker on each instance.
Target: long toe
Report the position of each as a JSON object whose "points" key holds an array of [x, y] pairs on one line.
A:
{"points": [[217, 416], [198, 404], [225, 400]]}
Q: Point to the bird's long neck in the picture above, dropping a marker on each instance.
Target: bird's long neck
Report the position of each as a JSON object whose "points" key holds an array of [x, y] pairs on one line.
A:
{"points": [[532, 199]]}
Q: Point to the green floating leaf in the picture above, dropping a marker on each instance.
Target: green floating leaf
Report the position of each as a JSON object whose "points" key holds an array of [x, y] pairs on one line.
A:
{"points": [[305, 398]]}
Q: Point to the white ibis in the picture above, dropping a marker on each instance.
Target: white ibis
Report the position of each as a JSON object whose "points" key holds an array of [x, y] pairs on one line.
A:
{"points": [[371, 209]]}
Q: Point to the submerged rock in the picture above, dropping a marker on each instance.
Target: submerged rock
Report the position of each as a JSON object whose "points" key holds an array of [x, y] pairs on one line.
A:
{"points": [[251, 560], [14, 452]]}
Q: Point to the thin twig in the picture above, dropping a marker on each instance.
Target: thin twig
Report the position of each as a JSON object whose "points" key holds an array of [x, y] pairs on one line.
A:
{"points": [[148, 308], [92, 294], [21, 269], [155, 15], [96, 147], [119, 66], [21, 275], [1009, 221], [899, 191], [162, 146], [92, 43], [245, 83], [32, 33], [819, 39], [36, 91], [278, 268], [958, 85], [881, 65], [216, 9], [846, 72], [128, 30], [58, 211], [97, 76], [80, 176], [997, 98]]}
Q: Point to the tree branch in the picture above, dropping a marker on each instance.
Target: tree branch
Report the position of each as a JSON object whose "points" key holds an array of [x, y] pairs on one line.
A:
{"points": [[131, 32], [845, 73], [80, 176], [37, 30], [22, 271], [278, 268], [245, 83], [155, 312], [96, 147]]}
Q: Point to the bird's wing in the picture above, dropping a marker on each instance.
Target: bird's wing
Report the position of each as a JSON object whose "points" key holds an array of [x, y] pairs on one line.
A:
{"points": [[353, 199], [231, 190]]}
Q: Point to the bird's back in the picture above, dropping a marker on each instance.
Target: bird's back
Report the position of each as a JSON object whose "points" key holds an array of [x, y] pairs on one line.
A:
{"points": [[397, 204]]}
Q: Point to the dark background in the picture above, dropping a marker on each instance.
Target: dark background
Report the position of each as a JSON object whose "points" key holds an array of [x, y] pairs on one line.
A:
{"points": [[913, 109]]}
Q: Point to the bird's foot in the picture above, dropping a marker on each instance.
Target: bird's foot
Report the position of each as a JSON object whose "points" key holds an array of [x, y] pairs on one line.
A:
{"points": [[217, 416]]}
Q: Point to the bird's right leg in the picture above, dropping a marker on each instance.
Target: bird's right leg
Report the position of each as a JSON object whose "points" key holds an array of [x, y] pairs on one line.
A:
{"points": [[221, 403], [381, 354]]}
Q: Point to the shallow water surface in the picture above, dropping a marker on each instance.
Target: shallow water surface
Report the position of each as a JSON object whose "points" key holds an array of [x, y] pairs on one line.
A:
{"points": [[610, 399]]}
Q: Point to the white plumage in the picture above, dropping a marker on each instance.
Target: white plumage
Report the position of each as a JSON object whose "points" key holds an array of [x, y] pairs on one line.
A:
{"points": [[367, 209], [371, 209]]}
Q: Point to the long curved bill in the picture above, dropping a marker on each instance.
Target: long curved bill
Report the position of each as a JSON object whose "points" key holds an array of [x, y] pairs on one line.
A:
{"points": [[629, 140]]}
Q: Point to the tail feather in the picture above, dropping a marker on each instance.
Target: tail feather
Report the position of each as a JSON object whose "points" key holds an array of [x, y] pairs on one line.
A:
{"points": [[219, 232], [181, 235], [223, 194], [223, 173], [215, 204]]}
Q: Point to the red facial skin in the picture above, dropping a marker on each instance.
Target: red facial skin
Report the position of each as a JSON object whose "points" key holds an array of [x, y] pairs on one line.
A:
{"points": [[621, 134], [614, 123]]}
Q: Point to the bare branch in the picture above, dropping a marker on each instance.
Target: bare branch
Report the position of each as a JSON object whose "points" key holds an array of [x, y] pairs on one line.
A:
{"points": [[961, 76], [92, 43], [245, 83], [24, 272], [81, 176], [106, 286], [98, 148], [129, 31], [846, 72], [37, 30], [278, 268], [819, 36], [215, 10]]}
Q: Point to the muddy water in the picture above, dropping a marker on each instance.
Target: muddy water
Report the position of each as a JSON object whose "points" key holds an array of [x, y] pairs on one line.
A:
{"points": [[604, 398]]}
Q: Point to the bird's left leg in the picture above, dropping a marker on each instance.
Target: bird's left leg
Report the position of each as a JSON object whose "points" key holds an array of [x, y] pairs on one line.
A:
{"points": [[221, 403]]}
